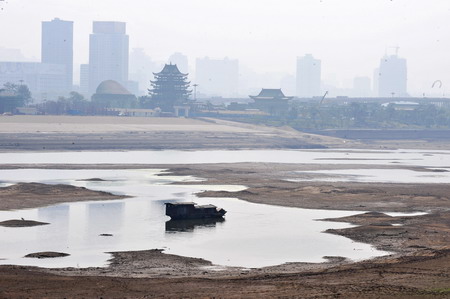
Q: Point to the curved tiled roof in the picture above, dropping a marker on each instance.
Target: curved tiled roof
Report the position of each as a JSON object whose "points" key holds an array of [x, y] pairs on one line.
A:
{"points": [[111, 87], [170, 69]]}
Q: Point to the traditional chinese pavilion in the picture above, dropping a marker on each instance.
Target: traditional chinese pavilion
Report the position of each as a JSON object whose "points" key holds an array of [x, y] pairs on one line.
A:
{"points": [[272, 101], [170, 90]]}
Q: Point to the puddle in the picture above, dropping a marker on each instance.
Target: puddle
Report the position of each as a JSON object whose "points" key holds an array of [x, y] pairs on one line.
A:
{"points": [[252, 235], [398, 214], [374, 175]]}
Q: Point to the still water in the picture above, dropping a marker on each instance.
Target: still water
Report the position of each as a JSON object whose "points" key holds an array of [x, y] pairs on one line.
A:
{"points": [[252, 235], [405, 176], [370, 157]]}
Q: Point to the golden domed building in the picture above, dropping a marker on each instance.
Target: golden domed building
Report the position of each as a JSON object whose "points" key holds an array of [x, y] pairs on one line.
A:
{"points": [[111, 94]]}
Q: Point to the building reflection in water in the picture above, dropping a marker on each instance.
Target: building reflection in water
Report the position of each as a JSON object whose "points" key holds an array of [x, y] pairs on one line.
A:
{"points": [[105, 216], [189, 225]]}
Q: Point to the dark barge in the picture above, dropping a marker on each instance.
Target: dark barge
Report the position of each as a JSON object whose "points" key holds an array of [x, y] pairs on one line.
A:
{"points": [[190, 210]]}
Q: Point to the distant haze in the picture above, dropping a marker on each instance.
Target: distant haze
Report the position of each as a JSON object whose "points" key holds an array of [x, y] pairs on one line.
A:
{"points": [[348, 36]]}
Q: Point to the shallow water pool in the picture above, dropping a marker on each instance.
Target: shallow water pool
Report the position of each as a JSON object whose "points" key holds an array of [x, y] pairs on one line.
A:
{"points": [[252, 235]]}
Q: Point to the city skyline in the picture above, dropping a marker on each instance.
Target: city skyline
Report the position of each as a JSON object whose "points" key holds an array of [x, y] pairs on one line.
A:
{"points": [[349, 37]]}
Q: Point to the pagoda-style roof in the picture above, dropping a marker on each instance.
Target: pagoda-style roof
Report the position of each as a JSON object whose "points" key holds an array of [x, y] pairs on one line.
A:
{"points": [[270, 94], [170, 69]]}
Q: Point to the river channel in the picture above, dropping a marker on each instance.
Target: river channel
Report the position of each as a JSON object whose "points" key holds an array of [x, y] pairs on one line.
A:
{"points": [[252, 235]]}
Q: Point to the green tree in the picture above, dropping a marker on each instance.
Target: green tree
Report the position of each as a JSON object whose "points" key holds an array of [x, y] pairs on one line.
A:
{"points": [[21, 91]]}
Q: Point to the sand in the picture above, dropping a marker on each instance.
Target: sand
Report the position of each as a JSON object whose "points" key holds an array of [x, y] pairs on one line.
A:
{"points": [[418, 267], [53, 133]]}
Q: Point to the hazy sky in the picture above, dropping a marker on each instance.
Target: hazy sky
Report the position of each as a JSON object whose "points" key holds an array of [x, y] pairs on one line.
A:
{"points": [[349, 36]]}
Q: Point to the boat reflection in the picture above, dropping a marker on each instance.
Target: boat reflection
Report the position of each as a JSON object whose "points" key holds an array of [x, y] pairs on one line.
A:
{"points": [[189, 225]]}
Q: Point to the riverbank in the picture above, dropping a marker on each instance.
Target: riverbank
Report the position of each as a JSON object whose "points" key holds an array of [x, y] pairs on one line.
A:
{"points": [[62, 132], [57, 133], [418, 268]]}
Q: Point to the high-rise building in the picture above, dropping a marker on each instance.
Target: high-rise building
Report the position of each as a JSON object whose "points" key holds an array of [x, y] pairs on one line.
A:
{"points": [[376, 77], [84, 78], [108, 54], [217, 77], [57, 47], [141, 69], [181, 61], [308, 76], [45, 81], [392, 77]]}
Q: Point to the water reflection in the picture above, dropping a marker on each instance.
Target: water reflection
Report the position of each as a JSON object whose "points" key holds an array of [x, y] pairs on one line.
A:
{"points": [[253, 235], [368, 157], [106, 216], [189, 225]]}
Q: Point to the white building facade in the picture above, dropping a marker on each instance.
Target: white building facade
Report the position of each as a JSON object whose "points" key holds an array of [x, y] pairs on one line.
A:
{"points": [[108, 54], [392, 77], [57, 47], [308, 77], [44, 80]]}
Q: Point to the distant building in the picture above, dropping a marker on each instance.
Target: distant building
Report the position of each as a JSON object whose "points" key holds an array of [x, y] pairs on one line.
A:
{"points": [[111, 94], [272, 101], [402, 105], [308, 76], [84, 79], [8, 102], [376, 85], [57, 47], [217, 77], [133, 87], [136, 112], [7, 54], [392, 77], [180, 60], [170, 89], [141, 69], [45, 81], [108, 54]]}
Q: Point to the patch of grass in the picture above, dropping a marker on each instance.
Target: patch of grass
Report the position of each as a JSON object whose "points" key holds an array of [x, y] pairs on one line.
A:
{"points": [[440, 291]]}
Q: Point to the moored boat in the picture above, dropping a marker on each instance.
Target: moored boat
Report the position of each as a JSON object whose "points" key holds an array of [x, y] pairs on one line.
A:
{"points": [[190, 210]]}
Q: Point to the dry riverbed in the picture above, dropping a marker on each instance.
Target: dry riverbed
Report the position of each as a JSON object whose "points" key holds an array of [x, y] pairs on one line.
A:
{"points": [[418, 267]]}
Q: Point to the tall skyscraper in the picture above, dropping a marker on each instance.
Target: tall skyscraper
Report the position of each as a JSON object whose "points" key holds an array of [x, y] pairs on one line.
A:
{"points": [[392, 77], [217, 77], [376, 77], [308, 76], [84, 78], [108, 54], [57, 47], [181, 61], [141, 69]]}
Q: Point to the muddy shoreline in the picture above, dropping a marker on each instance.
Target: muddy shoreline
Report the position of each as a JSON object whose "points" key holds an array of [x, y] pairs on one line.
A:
{"points": [[418, 267], [419, 241]]}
